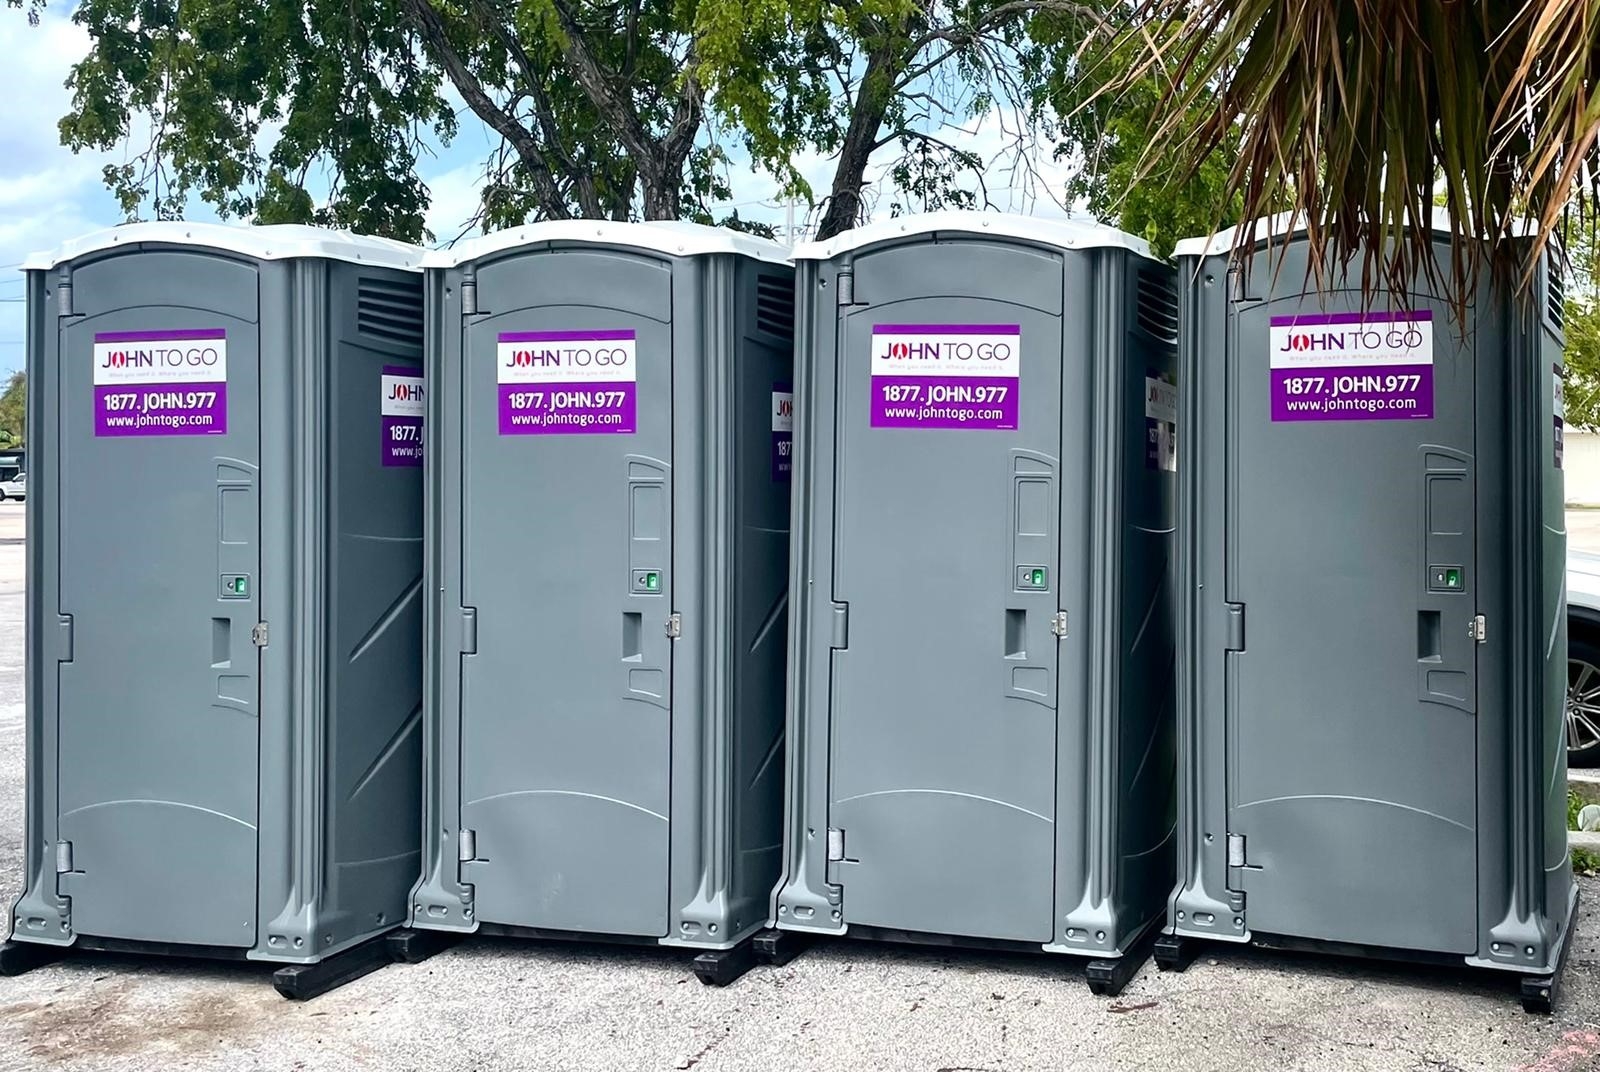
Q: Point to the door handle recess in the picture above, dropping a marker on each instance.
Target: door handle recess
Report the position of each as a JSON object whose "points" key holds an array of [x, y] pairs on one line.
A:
{"points": [[221, 643], [1430, 636], [1016, 634], [632, 636]]}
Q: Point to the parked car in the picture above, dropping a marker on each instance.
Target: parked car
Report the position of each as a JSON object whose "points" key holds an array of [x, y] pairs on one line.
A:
{"points": [[15, 488], [1583, 659]]}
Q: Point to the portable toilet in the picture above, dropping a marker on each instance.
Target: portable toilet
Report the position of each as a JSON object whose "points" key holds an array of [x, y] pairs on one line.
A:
{"points": [[1372, 611], [224, 622], [607, 571], [980, 707]]}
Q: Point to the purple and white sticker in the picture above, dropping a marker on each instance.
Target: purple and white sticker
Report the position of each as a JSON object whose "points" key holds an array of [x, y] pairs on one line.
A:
{"points": [[1375, 366], [782, 431], [401, 408], [1160, 422], [567, 382], [946, 375], [1560, 410], [161, 383]]}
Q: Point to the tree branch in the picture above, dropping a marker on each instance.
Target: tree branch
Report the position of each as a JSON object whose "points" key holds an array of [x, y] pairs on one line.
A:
{"points": [[658, 162], [432, 27], [534, 81], [1002, 13], [866, 118], [585, 66], [686, 118]]}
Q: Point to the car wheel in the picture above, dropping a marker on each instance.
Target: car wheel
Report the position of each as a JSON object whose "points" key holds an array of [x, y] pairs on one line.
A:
{"points": [[1583, 695]]}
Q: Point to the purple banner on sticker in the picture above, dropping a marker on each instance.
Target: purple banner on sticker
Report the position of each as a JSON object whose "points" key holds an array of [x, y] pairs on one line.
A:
{"points": [[161, 383], [603, 335], [782, 431], [1375, 318], [401, 405], [173, 335], [1352, 393], [567, 382], [945, 376]]}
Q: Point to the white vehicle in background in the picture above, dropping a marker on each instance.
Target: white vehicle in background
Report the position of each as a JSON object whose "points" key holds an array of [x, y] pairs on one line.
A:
{"points": [[1583, 659], [15, 488]]}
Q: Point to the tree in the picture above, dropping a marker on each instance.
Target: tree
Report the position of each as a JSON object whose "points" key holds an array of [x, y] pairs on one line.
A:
{"points": [[1106, 133], [856, 77], [603, 108], [14, 410], [1581, 324], [1355, 115]]}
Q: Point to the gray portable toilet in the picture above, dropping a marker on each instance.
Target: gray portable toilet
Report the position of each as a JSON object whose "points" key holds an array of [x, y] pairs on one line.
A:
{"points": [[980, 706], [1372, 606], [607, 572], [224, 622]]}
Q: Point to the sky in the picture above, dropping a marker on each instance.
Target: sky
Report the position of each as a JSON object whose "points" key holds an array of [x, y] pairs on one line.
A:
{"points": [[49, 194]]}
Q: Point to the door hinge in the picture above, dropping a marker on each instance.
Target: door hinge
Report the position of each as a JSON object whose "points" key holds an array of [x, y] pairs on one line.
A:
{"points": [[63, 857], [841, 626], [467, 846], [835, 845], [1058, 623], [258, 634], [64, 622], [674, 625], [469, 297], [469, 630], [1235, 627], [1478, 629], [1236, 855]]}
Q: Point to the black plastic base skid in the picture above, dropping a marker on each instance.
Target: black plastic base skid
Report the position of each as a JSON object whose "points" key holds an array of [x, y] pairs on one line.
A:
{"points": [[414, 947], [776, 948], [19, 957], [1174, 954], [722, 966], [1109, 977], [301, 982], [1539, 992]]}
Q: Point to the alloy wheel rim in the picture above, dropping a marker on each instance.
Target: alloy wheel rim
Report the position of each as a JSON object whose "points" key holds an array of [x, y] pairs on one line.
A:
{"points": [[1583, 705]]}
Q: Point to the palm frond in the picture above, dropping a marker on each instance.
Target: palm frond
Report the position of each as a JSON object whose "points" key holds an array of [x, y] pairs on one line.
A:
{"points": [[1361, 116]]}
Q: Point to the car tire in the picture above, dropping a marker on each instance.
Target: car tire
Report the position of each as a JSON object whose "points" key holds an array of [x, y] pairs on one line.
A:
{"points": [[1582, 709]]}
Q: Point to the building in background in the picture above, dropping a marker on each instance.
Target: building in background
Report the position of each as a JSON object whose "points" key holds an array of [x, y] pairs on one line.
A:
{"points": [[1581, 465]]}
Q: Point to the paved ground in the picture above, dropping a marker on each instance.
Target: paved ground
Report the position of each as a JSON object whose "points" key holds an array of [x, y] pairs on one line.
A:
{"points": [[506, 1005]]}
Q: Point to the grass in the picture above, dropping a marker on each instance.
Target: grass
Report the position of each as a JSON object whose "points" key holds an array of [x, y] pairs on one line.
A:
{"points": [[1582, 859]]}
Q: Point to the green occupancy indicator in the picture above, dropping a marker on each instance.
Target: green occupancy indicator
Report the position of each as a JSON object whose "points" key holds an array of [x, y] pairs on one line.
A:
{"points": [[1038, 578], [652, 580], [1452, 578]]}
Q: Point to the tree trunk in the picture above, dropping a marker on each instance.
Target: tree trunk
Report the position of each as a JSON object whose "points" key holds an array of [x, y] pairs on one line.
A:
{"points": [[663, 196], [866, 119]]}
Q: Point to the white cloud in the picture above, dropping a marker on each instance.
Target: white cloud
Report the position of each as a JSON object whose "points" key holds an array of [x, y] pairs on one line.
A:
{"points": [[454, 195]]}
